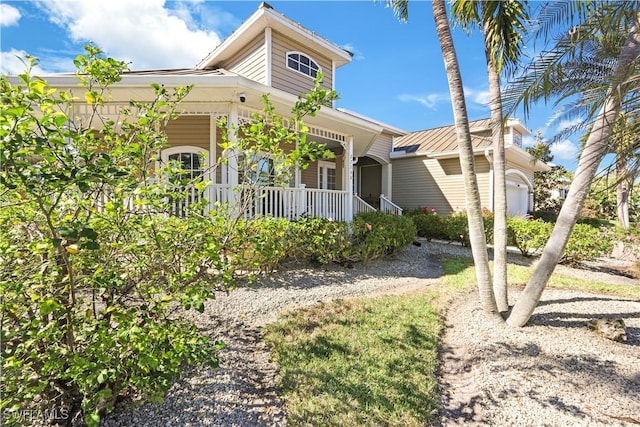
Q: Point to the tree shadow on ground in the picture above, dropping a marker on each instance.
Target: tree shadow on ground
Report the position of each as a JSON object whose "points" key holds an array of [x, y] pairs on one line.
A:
{"points": [[529, 356]]}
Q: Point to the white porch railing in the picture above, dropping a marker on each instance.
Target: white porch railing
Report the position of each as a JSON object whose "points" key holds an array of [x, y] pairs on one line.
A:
{"points": [[360, 206], [389, 207], [278, 202]]}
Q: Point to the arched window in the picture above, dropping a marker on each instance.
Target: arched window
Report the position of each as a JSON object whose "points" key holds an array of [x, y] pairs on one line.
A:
{"points": [[192, 163], [301, 63], [192, 160]]}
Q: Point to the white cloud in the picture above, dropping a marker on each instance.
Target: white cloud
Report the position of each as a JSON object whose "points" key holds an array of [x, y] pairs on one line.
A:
{"points": [[357, 55], [481, 97], [566, 124], [564, 150], [430, 100], [144, 32], [11, 62], [9, 15], [528, 140]]}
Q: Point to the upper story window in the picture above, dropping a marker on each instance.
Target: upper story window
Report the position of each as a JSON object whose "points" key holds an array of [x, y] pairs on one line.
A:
{"points": [[303, 64], [517, 139]]}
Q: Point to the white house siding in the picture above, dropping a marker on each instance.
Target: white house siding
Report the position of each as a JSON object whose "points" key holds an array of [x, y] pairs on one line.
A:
{"points": [[251, 61], [289, 80], [422, 182]]}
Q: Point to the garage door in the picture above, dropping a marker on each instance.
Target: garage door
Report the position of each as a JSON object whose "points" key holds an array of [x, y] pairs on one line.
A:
{"points": [[517, 199]]}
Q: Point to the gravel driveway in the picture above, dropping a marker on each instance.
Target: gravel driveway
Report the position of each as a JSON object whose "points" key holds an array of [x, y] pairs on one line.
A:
{"points": [[553, 372]]}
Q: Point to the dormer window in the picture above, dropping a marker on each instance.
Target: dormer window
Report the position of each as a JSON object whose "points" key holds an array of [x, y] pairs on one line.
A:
{"points": [[517, 139], [303, 64]]}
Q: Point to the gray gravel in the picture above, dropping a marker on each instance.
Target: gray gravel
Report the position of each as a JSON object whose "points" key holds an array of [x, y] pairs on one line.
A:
{"points": [[554, 372]]}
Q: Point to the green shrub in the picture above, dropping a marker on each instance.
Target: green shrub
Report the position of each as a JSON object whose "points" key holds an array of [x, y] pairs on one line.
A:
{"points": [[456, 228], [319, 240], [587, 242], [429, 225], [378, 233], [528, 235], [258, 246], [87, 283], [546, 216]]}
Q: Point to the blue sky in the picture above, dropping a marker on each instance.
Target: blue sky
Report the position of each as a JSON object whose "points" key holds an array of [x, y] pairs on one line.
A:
{"points": [[397, 74]]}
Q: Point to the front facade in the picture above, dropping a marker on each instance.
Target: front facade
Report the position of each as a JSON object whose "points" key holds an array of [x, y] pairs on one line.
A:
{"points": [[427, 170], [376, 166], [267, 54]]}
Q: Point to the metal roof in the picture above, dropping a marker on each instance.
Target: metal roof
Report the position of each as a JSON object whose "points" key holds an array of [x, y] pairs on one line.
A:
{"points": [[443, 139]]}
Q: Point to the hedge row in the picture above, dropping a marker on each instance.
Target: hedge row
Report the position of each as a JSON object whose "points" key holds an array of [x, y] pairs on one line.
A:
{"points": [[588, 240], [261, 245]]}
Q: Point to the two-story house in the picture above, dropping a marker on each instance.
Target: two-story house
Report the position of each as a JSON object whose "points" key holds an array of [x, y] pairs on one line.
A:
{"points": [[269, 53], [374, 163]]}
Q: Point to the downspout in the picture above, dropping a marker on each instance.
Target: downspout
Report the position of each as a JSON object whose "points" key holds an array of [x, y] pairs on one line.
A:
{"points": [[489, 158]]}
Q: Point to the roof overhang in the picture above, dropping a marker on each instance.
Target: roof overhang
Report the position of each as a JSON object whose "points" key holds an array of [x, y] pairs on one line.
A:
{"points": [[223, 91], [512, 153], [267, 17]]}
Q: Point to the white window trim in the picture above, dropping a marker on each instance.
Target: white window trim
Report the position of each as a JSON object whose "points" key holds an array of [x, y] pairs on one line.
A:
{"points": [[165, 153], [326, 165], [286, 60]]}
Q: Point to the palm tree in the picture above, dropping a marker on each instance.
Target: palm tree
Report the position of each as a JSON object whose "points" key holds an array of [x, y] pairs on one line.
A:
{"points": [[477, 235], [503, 24], [595, 147], [583, 63]]}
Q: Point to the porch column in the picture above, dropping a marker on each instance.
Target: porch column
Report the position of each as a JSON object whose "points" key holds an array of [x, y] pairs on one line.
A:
{"points": [[230, 175], [387, 184], [347, 178], [232, 155], [212, 161]]}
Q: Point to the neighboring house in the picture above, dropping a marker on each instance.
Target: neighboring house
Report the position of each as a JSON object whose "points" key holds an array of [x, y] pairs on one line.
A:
{"points": [[271, 54], [427, 169]]}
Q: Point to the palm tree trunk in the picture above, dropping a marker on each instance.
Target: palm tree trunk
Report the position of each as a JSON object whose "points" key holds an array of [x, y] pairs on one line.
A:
{"points": [[592, 154], [622, 186], [477, 236], [499, 188]]}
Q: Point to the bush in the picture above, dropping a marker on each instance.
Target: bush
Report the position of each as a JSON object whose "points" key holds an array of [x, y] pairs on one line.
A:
{"points": [[528, 235], [456, 228], [587, 242], [87, 282], [319, 240], [429, 224], [378, 233], [546, 216]]}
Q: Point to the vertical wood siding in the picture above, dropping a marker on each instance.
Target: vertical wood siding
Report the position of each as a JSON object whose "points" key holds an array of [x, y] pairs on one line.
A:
{"points": [[289, 80]]}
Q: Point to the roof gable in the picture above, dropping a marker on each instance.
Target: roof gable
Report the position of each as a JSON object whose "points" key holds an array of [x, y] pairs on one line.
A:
{"points": [[267, 17]]}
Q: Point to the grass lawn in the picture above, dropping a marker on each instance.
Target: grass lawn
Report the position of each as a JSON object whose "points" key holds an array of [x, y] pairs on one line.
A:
{"points": [[373, 361]]}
